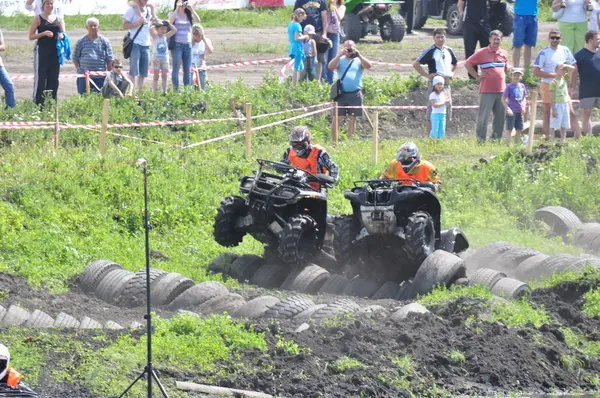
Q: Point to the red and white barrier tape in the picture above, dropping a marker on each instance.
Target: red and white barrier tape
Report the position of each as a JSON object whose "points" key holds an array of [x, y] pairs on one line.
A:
{"points": [[291, 118], [24, 124], [223, 137], [28, 127], [283, 68], [406, 107], [305, 108], [150, 124], [133, 138]]}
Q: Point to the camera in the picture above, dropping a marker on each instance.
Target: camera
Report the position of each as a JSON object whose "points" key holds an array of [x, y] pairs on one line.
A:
{"points": [[563, 4], [351, 53], [185, 4]]}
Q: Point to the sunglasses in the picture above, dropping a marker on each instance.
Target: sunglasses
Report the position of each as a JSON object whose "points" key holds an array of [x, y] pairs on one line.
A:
{"points": [[117, 67], [555, 37]]}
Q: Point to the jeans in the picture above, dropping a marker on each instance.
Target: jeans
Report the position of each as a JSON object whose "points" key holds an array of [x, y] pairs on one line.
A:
{"points": [[181, 55], [331, 53], [139, 61], [202, 74], [9, 89], [98, 81]]}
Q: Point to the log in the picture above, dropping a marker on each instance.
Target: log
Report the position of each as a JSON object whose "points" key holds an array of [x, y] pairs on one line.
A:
{"points": [[206, 389]]}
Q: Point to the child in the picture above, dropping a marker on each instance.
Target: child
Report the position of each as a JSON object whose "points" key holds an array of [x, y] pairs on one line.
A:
{"points": [[160, 32], [296, 37], [116, 82], [201, 46], [514, 100], [439, 99], [560, 102], [309, 46]]}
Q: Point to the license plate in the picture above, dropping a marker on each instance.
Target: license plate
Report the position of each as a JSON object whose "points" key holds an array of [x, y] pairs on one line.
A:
{"points": [[377, 215]]}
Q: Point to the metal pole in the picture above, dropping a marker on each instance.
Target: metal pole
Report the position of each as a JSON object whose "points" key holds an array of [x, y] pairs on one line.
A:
{"points": [[149, 370]]}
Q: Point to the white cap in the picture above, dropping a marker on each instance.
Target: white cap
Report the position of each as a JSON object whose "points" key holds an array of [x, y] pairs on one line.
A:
{"points": [[4, 360], [309, 29], [438, 79]]}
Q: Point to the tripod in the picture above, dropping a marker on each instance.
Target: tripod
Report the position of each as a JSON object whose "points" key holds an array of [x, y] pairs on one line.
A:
{"points": [[148, 371]]}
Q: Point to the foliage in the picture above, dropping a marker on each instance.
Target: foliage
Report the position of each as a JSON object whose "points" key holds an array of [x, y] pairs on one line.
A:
{"points": [[588, 274], [519, 313], [591, 303], [441, 295], [290, 347], [345, 363], [580, 342], [456, 357]]}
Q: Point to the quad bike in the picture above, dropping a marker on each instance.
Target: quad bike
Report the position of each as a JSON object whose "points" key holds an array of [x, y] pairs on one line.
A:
{"points": [[365, 17], [502, 15], [395, 225], [21, 391], [280, 208]]}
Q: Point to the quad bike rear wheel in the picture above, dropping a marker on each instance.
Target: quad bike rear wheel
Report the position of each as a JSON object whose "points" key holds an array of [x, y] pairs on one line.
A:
{"points": [[343, 235], [454, 23], [392, 27], [351, 28], [502, 18], [420, 237], [298, 243], [420, 15], [225, 232]]}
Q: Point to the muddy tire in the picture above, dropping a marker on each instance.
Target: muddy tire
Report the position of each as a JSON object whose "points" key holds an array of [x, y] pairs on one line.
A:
{"points": [[560, 220], [392, 27], [228, 303], [308, 279], [112, 326], [256, 307], [245, 266], [168, 287], [112, 285], [351, 28], [196, 295], [270, 276], [502, 18], [336, 284], [554, 264], [584, 262], [440, 267], [388, 290], [336, 309], [420, 15], [298, 242], [221, 263], [361, 287], [419, 238], [527, 268], [65, 321], [289, 307], [482, 257], [307, 313], [454, 23], [343, 236], [89, 323], [2, 312], [225, 232], [95, 272], [403, 312], [486, 277], [511, 258], [134, 292], [404, 292], [511, 288], [15, 316], [39, 319], [586, 234]]}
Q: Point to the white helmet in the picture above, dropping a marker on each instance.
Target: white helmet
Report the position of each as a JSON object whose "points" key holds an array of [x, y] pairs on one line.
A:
{"points": [[4, 360], [300, 139], [408, 155]]}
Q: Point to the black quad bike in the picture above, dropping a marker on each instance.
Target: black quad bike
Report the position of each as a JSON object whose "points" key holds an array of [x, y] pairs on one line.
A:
{"points": [[279, 208], [395, 225], [21, 391], [374, 17]]}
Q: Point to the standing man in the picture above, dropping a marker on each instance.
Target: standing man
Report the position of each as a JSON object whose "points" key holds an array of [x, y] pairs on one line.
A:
{"points": [[476, 24], [440, 61], [525, 27], [93, 53], [588, 68], [316, 15], [350, 64], [494, 64], [544, 67]]}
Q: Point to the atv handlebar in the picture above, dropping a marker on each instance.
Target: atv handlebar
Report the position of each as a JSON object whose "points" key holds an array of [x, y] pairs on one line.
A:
{"points": [[285, 168], [374, 184]]}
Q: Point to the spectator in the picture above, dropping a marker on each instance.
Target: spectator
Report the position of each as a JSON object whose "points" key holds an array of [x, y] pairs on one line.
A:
{"points": [[117, 83], [7, 84], [182, 17], [335, 14], [440, 61], [93, 53], [351, 79], [544, 67], [161, 31], [136, 19], [309, 46], [525, 27], [476, 25], [316, 15], [572, 22], [201, 46], [439, 100], [588, 68], [595, 18], [46, 28], [559, 102], [296, 37], [514, 100], [494, 63]]}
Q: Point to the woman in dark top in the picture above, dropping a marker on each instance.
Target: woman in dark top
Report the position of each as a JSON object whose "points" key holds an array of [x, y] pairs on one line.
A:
{"points": [[46, 28]]}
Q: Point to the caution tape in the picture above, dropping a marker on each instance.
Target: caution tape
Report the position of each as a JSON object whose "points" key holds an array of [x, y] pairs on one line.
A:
{"points": [[406, 107], [151, 124], [291, 118], [282, 71], [305, 108]]}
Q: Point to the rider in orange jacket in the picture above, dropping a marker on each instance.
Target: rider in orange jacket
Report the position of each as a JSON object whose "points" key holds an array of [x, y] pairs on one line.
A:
{"points": [[409, 165], [8, 376]]}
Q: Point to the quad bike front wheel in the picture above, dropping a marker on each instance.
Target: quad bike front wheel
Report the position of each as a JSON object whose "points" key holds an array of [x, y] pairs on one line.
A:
{"points": [[454, 23], [420, 238], [225, 232], [298, 243], [343, 236], [392, 27]]}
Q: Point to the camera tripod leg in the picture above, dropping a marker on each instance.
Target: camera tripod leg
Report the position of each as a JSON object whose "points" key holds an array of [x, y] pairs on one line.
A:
{"points": [[160, 386], [133, 383]]}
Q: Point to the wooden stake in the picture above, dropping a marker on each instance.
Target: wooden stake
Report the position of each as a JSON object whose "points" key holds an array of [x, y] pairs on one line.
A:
{"points": [[248, 111], [236, 113], [56, 128], [104, 127], [376, 136], [225, 391], [335, 124], [88, 89], [197, 73], [368, 118], [532, 118]]}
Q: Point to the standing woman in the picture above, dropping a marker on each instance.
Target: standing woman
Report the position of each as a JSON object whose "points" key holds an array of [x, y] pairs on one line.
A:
{"points": [[336, 10], [572, 21], [182, 17], [47, 28]]}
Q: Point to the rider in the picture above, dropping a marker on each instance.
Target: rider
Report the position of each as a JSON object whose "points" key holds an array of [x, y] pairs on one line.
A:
{"points": [[310, 157], [8, 375], [408, 165]]}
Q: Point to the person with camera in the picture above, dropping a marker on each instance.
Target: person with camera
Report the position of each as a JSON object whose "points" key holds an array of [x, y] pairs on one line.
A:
{"points": [[182, 17], [137, 19], [350, 64]]}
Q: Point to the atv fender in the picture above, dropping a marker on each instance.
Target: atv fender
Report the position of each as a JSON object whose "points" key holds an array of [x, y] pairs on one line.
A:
{"points": [[453, 240]]}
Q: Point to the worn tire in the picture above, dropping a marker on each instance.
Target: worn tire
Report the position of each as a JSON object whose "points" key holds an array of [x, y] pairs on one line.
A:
{"points": [[343, 236], [361, 287], [308, 279], [228, 303], [39, 319], [405, 290], [554, 264], [171, 285], [511, 258], [454, 24], [221, 263], [388, 290], [196, 295], [95, 272], [511, 288], [112, 285], [584, 262], [482, 257], [256, 307], [245, 266], [419, 237], [392, 27], [110, 325], [134, 292], [595, 244], [335, 285], [15, 316], [403, 312], [307, 313], [440, 267], [527, 267], [586, 234], [351, 28], [89, 323], [298, 243], [64, 320], [486, 277], [560, 219], [225, 232], [289, 307], [270, 276], [337, 308]]}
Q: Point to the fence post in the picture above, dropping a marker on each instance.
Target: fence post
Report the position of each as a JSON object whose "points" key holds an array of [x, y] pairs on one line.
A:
{"points": [[197, 74], [56, 127], [532, 119], [335, 124], [104, 127], [88, 89], [376, 136], [248, 111]]}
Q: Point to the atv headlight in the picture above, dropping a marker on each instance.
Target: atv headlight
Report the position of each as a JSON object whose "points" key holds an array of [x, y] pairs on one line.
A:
{"points": [[286, 194]]}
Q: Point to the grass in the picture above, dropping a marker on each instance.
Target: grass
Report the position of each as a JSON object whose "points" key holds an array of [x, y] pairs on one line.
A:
{"points": [[591, 303], [346, 363], [587, 274], [456, 357]]}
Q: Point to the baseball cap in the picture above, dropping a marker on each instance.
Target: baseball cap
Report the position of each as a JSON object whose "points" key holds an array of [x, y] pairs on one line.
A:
{"points": [[309, 30], [438, 79], [516, 70]]}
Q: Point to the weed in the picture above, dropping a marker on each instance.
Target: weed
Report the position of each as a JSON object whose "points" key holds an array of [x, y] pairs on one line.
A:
{"points": [[290, 347], [591, 303], [593, 380], [570, 363], [405, 364], [456, 357], [441, 295], [581, 343], [339, 320], [3, 295], [345, 363], [518, 313], [589, 273]]}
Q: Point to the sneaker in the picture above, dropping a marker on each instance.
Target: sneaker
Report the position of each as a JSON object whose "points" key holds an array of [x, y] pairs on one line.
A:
{"points": [[525, 139]]}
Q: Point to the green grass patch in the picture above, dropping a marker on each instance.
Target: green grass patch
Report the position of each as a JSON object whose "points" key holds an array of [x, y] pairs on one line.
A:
{"points": [[456, 357], [591, 303], [345, 363], [441, 295], [589, 274], [581, 343], [519, 313]]}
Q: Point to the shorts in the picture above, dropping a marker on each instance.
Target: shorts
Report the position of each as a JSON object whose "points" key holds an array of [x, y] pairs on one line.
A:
{"points": [[160, 64], [352, 98], [589, 103], [562, 120], [545, 93], [448, 107], [514, 122], [525, 29], [322, 48]]}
